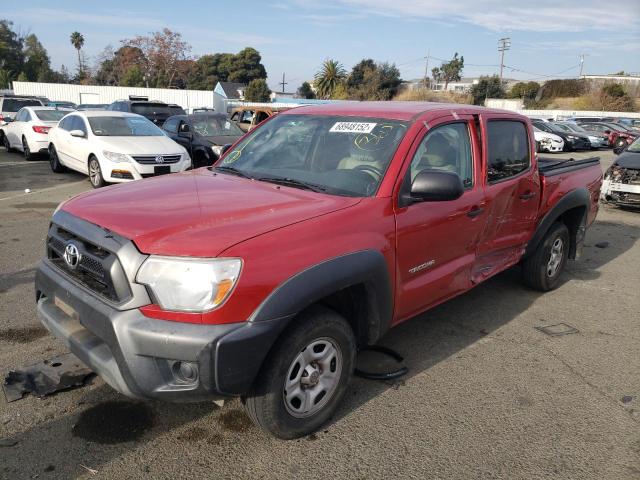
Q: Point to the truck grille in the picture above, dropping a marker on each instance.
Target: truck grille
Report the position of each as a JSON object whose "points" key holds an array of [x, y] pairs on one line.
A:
{"points": [[97, 269], [154, 159]]}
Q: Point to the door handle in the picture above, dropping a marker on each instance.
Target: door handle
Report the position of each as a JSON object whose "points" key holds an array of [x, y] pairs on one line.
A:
{"points": [[527, 195], [474, 212]]}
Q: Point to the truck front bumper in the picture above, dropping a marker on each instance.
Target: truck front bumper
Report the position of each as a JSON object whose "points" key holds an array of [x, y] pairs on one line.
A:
{"points": [[148, 358]]}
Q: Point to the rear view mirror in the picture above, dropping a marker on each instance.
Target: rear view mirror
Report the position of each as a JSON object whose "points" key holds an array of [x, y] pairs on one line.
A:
{"points": [[77, 133], [436, 186]]}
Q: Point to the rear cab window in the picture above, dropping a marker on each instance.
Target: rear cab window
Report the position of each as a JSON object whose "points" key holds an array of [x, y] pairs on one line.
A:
{"points": [[15, 104], [508, 149], [148, 108]]}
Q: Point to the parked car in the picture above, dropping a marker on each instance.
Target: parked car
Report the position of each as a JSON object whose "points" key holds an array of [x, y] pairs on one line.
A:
{"points": [[204, 135], [632, 123], [113, 147], [248, 117], [618, 136], [92, 106], [572, 140], [262, 276], [584, 119], [10, 104], [203, 110], [176, 109], [621, 185], [29, 130], [597, 139], [548, 142], [157, 112], [61, 104]]}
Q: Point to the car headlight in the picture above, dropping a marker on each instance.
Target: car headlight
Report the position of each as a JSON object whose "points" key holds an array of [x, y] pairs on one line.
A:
{"points": [[189, 284], [217, 150], [115, 157], [572, 137]]}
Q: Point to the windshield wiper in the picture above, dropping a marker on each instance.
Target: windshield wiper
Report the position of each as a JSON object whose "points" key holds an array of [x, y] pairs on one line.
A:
{"points": [[232, 171], [292, 182]]}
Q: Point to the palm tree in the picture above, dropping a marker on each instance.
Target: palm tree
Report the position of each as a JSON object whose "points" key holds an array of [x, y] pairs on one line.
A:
{"points": [[330, 75], [77, 40]]}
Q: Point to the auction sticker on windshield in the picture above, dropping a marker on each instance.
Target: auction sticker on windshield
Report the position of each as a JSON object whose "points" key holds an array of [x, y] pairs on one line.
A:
{"points": [[352, 127]]}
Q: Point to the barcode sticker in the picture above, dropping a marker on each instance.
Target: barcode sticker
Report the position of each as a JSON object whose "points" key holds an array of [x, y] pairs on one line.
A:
{"points": [[352, 127]]}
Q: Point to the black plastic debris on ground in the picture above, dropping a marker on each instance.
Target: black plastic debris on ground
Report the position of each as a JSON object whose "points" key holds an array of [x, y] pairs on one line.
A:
{"points": [[47, 377], [602, 244], [558, 329]]}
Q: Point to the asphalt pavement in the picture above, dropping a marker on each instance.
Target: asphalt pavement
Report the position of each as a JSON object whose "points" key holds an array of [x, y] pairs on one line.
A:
{"points": [[488, 395]]}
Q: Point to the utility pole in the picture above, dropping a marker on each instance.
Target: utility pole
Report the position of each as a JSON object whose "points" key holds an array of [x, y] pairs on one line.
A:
{"points": [[426, 69], [503, 44], [582, 55], [283, 83]]}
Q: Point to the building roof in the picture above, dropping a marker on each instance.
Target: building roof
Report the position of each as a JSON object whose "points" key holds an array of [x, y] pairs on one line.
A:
{"points": [[231, 88]]}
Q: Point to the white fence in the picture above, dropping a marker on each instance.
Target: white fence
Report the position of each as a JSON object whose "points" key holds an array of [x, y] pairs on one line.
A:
{"points": [[560, 114], [187, 99]]}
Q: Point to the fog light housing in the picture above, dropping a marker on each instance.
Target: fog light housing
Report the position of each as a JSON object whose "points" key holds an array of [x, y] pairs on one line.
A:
{"points": [[185, 372]]}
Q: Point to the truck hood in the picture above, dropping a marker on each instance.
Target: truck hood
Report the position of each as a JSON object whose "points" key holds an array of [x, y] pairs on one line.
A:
{"points": [[199, 213]]}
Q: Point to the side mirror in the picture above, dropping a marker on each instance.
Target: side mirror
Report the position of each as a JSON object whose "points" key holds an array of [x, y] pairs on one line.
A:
{"points": [[436, 186], [77, 133], [185, 131], [225, 148]]}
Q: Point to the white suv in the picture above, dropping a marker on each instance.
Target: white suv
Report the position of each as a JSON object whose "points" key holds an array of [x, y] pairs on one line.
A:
{"points": [[113, 147]]}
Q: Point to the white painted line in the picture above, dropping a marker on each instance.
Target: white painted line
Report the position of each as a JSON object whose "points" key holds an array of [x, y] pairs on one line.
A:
{"points": [[20, 164], [35, 192]]}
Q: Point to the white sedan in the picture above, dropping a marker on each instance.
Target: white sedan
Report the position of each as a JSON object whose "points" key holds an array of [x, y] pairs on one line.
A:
{"points": [[548, 142], [114, 147], [29, 129]]}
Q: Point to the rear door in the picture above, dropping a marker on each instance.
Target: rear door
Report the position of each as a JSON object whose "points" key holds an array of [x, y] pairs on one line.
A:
{"points": [[437, 241], [512, 188], [14, 129]]}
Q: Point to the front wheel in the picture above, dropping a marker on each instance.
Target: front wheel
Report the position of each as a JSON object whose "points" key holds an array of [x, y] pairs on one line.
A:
{"points": [[95, 173], [305, 376], [54, 161], [542, 269]]}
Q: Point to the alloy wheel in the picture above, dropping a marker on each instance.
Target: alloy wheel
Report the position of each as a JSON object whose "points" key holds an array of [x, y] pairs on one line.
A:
{"points": [[555, 259]]}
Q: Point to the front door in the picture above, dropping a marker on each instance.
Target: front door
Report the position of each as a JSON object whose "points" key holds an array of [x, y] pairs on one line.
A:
{"points": [[512, 195], [437, 241]]}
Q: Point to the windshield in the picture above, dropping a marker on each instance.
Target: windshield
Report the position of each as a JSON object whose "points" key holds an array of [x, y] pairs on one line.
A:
{"points": [[338, 155], [50, 115], [124, 127], [574, 127], [13, 105], [564, 128], [215, 126], [150, 109]]}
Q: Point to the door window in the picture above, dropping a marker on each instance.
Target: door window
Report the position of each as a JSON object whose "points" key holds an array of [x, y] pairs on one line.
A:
{"points": [[20, 116], [77, 124], [171, 125], [508, 153], [446, 148], [246, 116], [65, 123]]}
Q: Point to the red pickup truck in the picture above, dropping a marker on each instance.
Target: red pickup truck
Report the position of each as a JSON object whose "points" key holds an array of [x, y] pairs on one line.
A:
{"points": [[263, 275]]}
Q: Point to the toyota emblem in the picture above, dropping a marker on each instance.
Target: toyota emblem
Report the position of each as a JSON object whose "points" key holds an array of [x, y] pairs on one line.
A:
{"points": [[159, 159], [72, 255]]}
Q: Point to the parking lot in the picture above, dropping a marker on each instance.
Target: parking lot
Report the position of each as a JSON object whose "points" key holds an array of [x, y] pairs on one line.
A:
{"points": [[487, 394]]}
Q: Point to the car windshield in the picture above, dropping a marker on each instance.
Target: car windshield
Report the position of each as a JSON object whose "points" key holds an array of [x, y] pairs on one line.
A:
{"points": [[616, 127], [337, 155], [50, 115], [147, 108], [124, 127], [559, 126], [14, 104], [573, 127], [208, 126]]}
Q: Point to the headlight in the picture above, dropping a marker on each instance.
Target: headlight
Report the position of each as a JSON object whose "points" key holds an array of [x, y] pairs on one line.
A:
{"points": [[217, 150], [189, 284], [572, 137], [115, 157]]}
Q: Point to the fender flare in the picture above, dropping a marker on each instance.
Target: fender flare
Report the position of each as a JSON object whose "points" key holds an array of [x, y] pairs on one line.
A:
{"points": [[366, 267], [574, 199]]}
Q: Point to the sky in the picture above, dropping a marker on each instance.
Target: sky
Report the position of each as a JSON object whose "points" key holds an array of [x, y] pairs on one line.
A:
{"points": [[295, 36]]}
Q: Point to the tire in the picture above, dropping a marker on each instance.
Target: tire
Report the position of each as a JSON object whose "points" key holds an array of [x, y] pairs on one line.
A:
{"points": [[542, 270], [278, 406], [54, 161], [5, 143], [95, 173], [28, 156]]}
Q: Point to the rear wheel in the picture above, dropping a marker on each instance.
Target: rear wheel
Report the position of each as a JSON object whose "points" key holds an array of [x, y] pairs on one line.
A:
{"points": [[95, 173], [543, 268], [6, 144], [305, 376], [28, 156], [54, 161]]}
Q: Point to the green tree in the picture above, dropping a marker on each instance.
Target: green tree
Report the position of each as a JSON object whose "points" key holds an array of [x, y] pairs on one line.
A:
{"points": [[133, 77], [525, 90], [226, 67], [22, 77], [356, 77], [330, 75], [246, 66], [451, 71], [77, 40], [5, 78], [487, 87], [378, 82], [37, 65], [257, 91], [11, 56], [305, 91]]}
